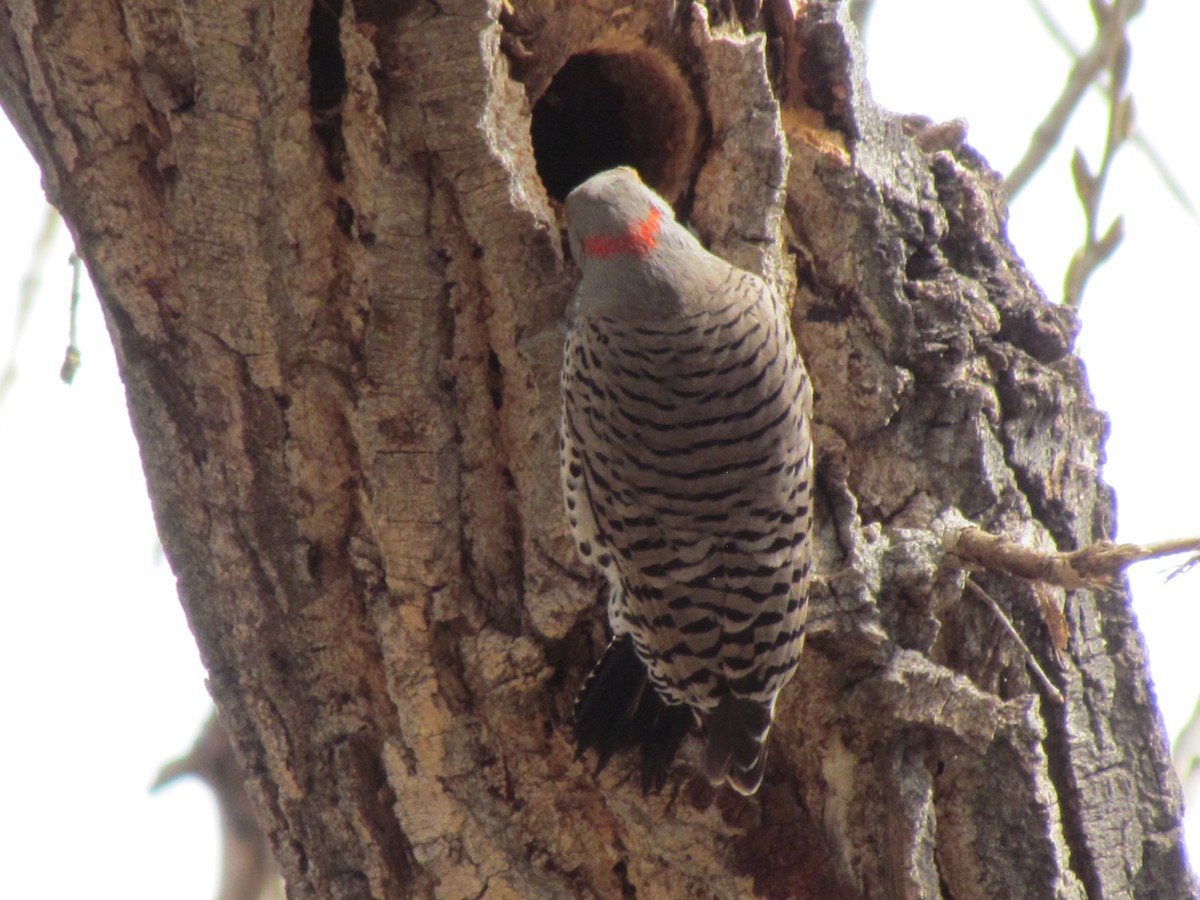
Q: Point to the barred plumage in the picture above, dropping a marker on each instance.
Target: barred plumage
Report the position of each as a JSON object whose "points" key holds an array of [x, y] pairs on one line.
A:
{"points": [[686, 458]]}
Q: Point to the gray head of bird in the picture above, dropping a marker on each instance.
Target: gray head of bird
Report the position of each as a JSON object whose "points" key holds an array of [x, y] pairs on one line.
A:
{"points": [[636, 259]]}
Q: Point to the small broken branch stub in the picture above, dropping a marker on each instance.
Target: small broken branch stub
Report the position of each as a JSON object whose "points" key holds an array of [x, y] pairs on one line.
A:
{"points": [[1093, 566]]}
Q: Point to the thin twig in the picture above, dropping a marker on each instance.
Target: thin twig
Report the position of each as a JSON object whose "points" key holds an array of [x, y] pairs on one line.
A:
{"points": [[1138, 138], [1096, 249], [1186, 566], [1054, 693], [1110, 35], [1173, 185], [1049, 132], [27, 293], [73, 358], [1053, 28]]}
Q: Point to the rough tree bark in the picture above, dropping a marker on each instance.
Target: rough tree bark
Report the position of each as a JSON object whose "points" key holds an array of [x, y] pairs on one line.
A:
{"points": [[329, 251]]}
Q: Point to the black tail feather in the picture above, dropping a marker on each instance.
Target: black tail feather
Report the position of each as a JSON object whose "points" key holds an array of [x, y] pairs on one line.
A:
{"points": [[660, 728], [619, 708], [608, 702], [737, 734]]}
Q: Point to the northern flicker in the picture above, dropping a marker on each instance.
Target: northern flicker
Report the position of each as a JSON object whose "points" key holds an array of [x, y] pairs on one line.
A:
{"points": [[686, 458]]}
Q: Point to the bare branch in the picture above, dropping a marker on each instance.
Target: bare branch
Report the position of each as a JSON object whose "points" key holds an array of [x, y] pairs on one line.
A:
{"points": [[1093, 566], [1186, 566], [1053, 28], [1109, 36], [248, 872], [1105, 561], [27, 293], [72, 360], [1138, 138], [1173, 185], [1096, 250], [1038, 671], [1047, 135]]}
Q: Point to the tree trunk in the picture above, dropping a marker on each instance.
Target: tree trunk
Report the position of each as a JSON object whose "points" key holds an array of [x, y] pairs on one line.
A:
{"points": [[328, 244]]}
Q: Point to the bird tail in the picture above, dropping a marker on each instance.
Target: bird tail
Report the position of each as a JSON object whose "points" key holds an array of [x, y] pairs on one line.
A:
{"points": [[618, 708], [737, 735]]}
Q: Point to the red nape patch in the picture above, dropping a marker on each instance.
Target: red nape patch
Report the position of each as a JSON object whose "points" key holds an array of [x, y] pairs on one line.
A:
{"points": [[639, 240]]}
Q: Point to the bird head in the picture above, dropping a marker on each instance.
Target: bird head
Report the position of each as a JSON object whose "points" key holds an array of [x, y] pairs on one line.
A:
{"points": [[614, 216]]}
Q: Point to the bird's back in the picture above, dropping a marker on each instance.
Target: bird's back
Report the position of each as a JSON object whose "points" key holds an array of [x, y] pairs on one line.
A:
{"points": [[686, 465]]}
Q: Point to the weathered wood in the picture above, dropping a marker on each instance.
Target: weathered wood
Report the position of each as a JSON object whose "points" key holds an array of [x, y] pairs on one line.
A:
{"points": [[335, 280]]}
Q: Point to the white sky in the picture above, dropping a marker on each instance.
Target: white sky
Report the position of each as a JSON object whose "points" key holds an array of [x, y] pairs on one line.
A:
{"points": [[99, 676]]}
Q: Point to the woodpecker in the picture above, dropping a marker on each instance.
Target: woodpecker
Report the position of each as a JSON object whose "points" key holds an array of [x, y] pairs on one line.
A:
{"points": [[686, 459]]}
